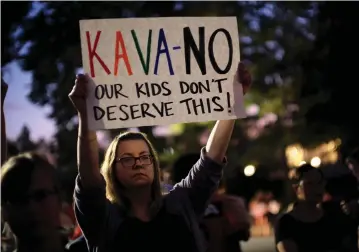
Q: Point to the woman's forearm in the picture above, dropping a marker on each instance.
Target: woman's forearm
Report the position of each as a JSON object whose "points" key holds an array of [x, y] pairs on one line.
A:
{"points": [[88, 155], [218, 140]]}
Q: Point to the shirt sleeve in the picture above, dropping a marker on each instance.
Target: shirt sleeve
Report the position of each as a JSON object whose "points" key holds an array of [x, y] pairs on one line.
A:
{"points": [[202, 181], [91, 209]]}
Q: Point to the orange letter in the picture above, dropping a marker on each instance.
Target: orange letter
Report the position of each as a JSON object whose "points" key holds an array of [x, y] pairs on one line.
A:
{"points": [[123, 55]]}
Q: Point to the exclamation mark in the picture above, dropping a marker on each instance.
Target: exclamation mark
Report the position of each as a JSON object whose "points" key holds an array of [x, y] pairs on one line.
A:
{"points": [[229, 102]]}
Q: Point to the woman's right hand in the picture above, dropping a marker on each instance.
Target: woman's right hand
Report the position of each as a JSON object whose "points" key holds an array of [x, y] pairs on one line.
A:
{"points": [[79, 93]]}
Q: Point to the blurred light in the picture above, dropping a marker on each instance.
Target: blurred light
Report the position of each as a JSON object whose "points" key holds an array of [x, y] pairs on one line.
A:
{"points": [[249, 170], [331, 146], [204, 137], [252, 110], [315, 162], [302, 163], [169, 150], [103, 139], [134, 129], [271, 118], [325, 153], [338, 141], [294, 154], [161, 131], [273, 207]]}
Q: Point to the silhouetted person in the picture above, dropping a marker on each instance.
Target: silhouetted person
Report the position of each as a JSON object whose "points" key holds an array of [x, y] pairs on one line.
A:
{"points": [[338, 191], [306, 227], [353, 203], [30, 203], [351, 206]]}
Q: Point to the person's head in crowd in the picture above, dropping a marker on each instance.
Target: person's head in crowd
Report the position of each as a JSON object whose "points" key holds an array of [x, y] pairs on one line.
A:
{"points": [[182, 166], [130, 167], [309, 183], [353, 162], [30, 201]]}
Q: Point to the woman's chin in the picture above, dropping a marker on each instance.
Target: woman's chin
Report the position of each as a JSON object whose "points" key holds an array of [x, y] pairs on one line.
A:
{"points": [[139, 182]]}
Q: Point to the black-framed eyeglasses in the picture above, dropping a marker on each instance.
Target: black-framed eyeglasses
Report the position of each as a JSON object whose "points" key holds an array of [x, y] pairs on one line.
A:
{"points": [[131, 161], [36, 196]]}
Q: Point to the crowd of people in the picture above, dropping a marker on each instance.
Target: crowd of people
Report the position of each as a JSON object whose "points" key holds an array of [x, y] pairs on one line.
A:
{"points": [[121, 206]]}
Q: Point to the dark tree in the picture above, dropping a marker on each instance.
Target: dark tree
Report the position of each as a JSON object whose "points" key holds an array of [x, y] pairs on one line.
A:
{"points": [[331, 72], [24, 142]]}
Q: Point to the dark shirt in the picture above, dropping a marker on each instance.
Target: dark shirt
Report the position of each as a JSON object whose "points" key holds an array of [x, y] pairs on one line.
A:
{"points": [[346, 229], [101, 220], [308, 236], [135, 235]]}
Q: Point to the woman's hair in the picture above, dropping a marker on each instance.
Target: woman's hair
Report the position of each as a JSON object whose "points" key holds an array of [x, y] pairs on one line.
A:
{"points": [[16, 174], [114, 189], [296, 175]]}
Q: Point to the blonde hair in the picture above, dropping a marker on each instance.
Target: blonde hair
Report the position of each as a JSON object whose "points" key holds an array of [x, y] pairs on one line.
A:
{"points": [[114, 189]]}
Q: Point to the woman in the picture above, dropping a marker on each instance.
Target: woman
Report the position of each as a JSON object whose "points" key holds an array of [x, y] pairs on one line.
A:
{"points": [[306, 227], [125, 211]]}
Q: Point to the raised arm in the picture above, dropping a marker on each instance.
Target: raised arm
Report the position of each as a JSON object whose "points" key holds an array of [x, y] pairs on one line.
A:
{"points": [[218, 140], [204, 176], [3, 124], [91, 206], [88, 155], [87, 145]]}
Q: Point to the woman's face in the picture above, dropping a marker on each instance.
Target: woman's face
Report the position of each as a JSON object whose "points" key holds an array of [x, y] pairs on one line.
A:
{"points": [[134, 164], [312, 187]]}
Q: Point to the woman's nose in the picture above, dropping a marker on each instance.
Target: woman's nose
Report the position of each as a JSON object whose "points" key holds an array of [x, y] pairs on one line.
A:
{"points": [[138, 164]]}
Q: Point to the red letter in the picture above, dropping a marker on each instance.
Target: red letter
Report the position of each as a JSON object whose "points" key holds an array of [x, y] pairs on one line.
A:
{"points": [[93, 53], [123, 55]]}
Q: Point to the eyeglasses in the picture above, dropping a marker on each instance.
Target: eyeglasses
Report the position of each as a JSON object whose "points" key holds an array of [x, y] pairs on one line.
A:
{"points": [[131, 161], [36, 196]]}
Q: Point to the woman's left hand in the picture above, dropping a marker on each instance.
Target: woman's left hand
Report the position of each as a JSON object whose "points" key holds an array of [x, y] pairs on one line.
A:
{"points": [[244, 77]]}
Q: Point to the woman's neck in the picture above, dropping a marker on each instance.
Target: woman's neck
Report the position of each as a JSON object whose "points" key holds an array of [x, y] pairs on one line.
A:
{"points": [[51, 243], [140, 203]]}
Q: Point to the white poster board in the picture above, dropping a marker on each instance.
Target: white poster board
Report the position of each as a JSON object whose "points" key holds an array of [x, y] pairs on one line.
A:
{"points": [[160, 71]]}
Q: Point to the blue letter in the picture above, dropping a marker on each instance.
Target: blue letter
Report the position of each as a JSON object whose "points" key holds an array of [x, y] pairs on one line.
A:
{"points": [[162, 40]]}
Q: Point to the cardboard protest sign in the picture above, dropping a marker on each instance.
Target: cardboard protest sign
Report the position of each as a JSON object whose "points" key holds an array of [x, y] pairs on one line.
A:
{"points": [[158, 71]]}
